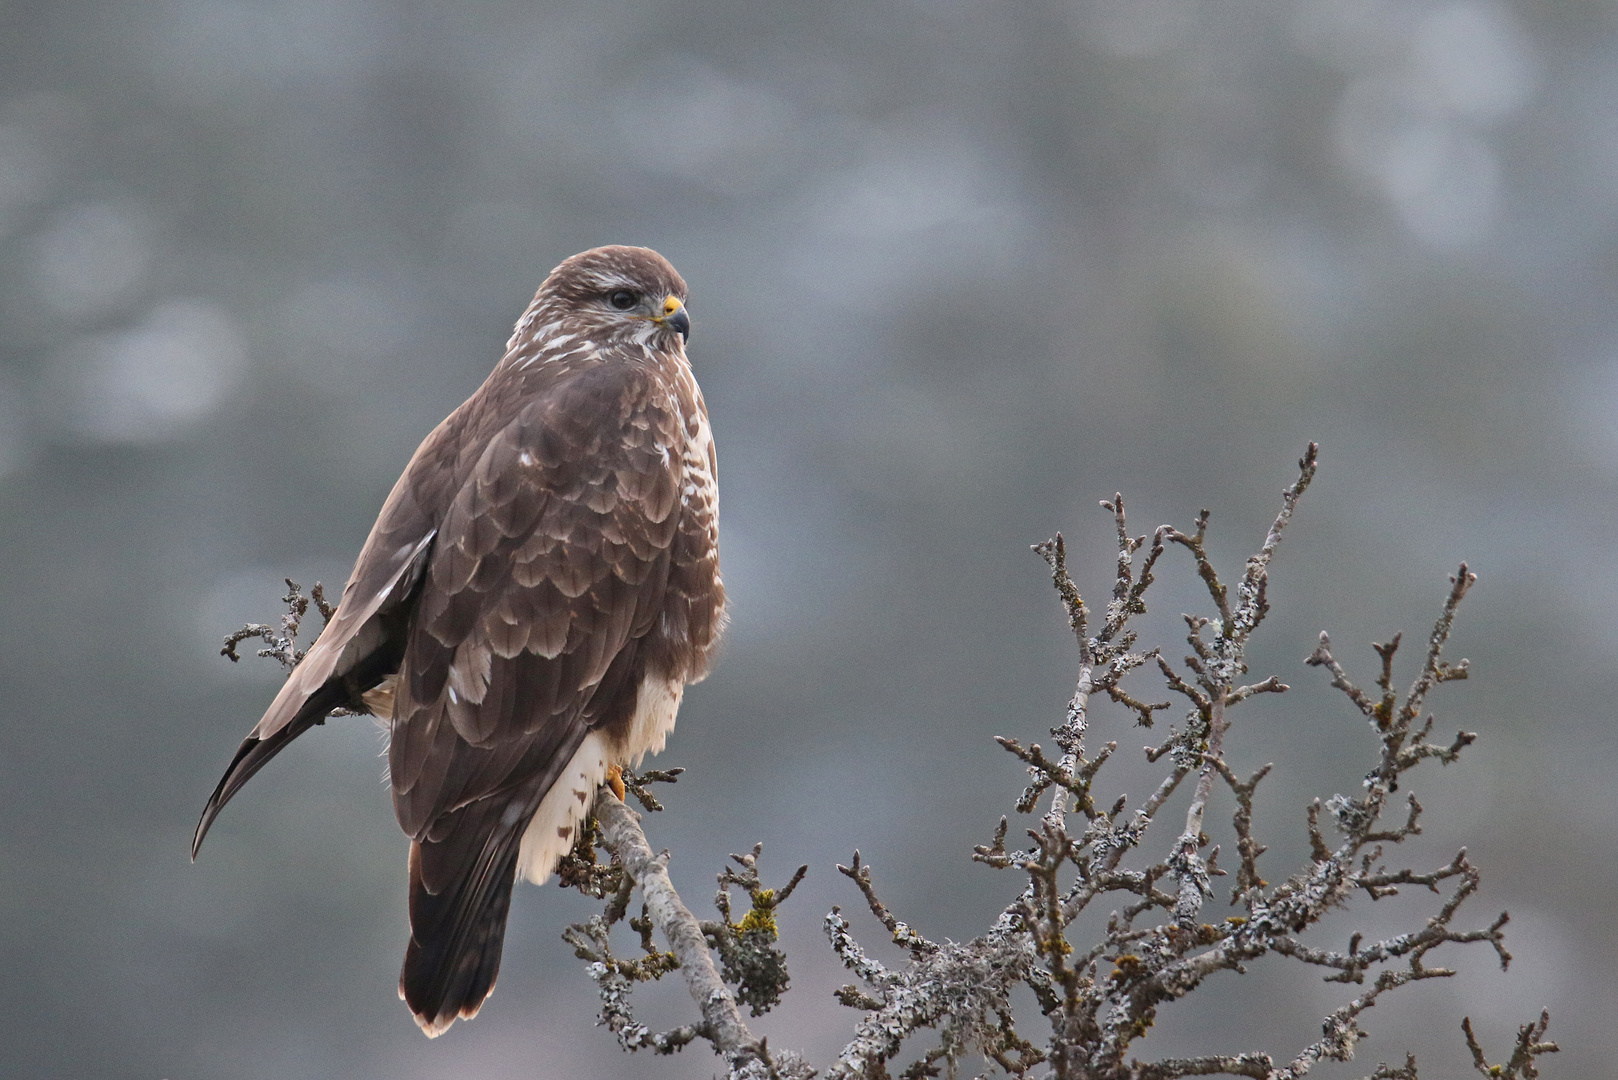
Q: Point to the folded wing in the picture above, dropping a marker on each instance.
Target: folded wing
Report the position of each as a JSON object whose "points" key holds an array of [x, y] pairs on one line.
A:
{"points": [[364, 642], [536, 624]]}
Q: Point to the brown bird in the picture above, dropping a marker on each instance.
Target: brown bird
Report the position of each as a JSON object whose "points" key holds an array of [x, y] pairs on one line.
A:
{"points": [[540, 587]]}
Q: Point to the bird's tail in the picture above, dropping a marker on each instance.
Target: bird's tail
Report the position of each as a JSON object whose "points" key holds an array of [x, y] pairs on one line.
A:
{"points": [[456, 935]]}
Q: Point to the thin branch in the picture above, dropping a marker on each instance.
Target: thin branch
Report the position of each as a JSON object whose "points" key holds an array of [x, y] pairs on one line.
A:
{"points": [[721, 1020], [1530, 1045]]}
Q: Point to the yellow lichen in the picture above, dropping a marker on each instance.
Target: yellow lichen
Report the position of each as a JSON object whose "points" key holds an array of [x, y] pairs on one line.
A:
{"points": [[1125, 967], [760, 917]]}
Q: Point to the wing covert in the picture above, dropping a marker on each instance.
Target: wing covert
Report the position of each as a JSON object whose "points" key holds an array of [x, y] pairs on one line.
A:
{"points": [[551, 564]]}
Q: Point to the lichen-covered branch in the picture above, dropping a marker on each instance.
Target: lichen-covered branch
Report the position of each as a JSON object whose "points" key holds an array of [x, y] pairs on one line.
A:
{"points": [[281, 647], [1531, 1044], [1098, 996], [281, 644], [962, 991], [1157, 947], [721, 1023], [748, 954]]}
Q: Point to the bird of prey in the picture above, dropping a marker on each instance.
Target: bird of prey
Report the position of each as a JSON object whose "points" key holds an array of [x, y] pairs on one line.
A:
{"points": [[539, 588]]}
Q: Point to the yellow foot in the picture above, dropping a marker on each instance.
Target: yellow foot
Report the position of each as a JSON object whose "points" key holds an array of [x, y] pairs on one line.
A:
{"points": [[615, 780]]}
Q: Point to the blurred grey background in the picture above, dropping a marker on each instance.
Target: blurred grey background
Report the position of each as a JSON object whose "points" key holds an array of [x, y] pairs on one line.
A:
{"points": [[959, 268]]}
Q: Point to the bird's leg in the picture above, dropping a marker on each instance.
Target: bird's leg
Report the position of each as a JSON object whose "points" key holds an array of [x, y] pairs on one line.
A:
{"points": [[615, 780]]}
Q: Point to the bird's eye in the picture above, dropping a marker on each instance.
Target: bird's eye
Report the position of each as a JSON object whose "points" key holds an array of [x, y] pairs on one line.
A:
{"points": [[623, 299]]}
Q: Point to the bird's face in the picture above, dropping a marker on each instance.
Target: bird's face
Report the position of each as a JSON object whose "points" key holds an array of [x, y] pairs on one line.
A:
{"points": [[642, 312], [622, 294]]}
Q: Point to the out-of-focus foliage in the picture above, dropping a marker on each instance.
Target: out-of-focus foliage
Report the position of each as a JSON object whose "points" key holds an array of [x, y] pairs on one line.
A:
{"points": [[959, 269]]}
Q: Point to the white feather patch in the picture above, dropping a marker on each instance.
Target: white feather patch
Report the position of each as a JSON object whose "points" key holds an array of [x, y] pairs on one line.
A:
{"points": [[554, 826], [655, 708]]}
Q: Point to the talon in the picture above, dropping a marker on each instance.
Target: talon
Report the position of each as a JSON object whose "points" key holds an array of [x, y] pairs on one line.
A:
{"points": [[615, 780]]}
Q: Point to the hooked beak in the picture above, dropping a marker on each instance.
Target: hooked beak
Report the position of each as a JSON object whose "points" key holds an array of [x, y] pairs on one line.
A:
{"points": [[674, 317]]}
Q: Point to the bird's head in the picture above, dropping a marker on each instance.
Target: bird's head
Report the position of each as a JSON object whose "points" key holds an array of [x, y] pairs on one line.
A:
{"points": [[617, 294]]}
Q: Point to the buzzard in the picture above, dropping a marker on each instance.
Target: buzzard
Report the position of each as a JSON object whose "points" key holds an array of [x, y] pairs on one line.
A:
{"points": [[541, 585]]}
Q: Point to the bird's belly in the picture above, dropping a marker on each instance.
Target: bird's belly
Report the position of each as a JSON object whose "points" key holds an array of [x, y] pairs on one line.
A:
{"points": [[656, 704], [554, 827]]}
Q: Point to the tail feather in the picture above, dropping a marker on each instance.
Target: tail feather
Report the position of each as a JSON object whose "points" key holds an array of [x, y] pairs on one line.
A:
{"points": [[255, 753], [456, 939]]}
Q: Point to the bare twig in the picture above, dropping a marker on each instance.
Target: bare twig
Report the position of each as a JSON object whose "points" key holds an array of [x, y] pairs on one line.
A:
{"points": [[1530, 1045]]}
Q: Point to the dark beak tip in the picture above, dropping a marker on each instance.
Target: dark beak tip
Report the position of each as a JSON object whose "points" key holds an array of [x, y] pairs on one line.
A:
{"points": [[681, 322]]}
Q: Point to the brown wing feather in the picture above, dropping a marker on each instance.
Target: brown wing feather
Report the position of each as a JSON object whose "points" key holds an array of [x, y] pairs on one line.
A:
{"points": [[364, 641], [551, 566]]}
